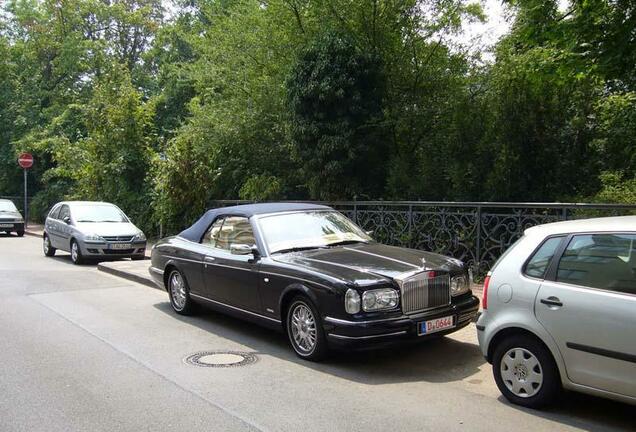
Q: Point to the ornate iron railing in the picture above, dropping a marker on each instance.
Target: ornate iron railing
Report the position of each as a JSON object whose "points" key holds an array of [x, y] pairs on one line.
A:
{"points": [[475, 232]]}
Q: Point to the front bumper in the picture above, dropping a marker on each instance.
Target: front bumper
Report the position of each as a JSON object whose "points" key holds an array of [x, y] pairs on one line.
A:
{"points": [[11, 226], [346, 333], [108, 249]]}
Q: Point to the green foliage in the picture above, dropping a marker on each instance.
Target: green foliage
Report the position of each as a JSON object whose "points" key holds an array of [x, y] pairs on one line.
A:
{"points": [[260, 188], [617, 188], [327, 99], [336, 97]]}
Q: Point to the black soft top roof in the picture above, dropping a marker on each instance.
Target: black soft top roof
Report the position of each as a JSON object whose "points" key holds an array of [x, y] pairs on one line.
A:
{"points": [[196, 231]]}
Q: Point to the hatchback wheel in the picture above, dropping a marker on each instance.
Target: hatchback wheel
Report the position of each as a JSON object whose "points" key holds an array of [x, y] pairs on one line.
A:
{"points": [[179, 293], [76, 253], [49, 250], [525, 372], [304, 330]]}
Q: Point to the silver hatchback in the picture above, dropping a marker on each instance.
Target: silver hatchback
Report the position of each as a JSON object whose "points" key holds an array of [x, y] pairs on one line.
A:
{"points": [[559, 312], [89, 229]]}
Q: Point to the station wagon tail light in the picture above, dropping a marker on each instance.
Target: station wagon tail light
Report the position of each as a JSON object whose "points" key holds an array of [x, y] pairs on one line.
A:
{"points": [[484, 301], [352, 301]]}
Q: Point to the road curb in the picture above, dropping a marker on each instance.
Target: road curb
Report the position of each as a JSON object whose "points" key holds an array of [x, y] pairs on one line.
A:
{"points": [[126, 275], [32, 233]]}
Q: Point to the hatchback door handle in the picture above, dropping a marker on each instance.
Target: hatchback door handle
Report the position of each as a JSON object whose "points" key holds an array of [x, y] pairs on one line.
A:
{"points": [[552, 301], [209, 259]]}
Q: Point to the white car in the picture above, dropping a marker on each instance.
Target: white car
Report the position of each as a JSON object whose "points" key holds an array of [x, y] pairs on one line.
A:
{"points": [[559, 312]]}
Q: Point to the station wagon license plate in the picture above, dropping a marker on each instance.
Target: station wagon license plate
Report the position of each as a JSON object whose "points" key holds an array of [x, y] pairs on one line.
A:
{"points": [[121, 246], [435, 325], [6, 225]]}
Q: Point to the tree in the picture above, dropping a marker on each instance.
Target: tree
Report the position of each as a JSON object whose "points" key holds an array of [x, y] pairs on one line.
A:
{"points": [[335, 93]]}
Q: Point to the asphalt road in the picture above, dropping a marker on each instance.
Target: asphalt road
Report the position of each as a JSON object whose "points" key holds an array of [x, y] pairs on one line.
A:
{"points": [[81, 350]]}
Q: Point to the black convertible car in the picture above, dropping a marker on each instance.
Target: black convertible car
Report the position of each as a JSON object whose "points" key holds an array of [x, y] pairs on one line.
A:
{"points": [[310, 271]]}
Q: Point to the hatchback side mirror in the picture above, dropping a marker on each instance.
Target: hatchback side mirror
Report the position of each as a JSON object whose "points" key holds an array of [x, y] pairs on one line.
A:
{"points": [[67, 220]]}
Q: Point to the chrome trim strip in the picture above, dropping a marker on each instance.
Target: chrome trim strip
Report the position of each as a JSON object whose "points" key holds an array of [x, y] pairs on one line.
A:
{"points": [[361, 270], [235, 308], [297, 278], [366, 337], [156, 270], [384, 257], [183, 259], [331, 320]]}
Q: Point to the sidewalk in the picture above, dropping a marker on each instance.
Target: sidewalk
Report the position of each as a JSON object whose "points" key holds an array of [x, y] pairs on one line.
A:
{"points": [[136, 271]]}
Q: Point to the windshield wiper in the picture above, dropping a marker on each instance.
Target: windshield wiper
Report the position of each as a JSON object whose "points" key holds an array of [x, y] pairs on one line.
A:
{"points": [[297, 249], [346, 242]]}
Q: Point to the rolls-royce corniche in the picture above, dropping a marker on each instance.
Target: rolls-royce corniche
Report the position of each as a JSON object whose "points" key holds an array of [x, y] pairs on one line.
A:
{"points": [[311, 272]]}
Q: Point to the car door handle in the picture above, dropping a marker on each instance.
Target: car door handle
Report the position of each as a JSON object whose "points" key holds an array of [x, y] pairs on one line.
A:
{"points": [[552, 301], [209, 259]]}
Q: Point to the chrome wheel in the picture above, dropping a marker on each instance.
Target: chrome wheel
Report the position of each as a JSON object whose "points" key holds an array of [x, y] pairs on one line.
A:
{"points": [[74, 251], [178, 290], [521, 372], [303, 328]]}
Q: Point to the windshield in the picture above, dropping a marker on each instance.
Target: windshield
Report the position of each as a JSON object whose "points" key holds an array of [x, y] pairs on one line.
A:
{"points": [[304, 230], [7, 206], [98, 213]]}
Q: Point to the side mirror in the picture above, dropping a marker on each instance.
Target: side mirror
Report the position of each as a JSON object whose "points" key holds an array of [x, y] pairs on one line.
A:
{"points": [[243, 249], [67, 220]]}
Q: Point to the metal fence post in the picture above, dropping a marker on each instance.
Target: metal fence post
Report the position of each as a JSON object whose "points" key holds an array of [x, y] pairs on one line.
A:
{"points": [[410, 226], [478, 251]]}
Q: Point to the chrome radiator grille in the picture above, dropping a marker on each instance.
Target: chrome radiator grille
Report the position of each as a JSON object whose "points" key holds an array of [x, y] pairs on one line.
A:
{"points": [[420, 292], [127, 238]]}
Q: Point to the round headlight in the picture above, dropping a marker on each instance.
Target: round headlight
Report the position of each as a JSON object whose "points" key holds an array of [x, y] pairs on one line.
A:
{"points": [[352, 301], [459, 285], [379, 299], [140, 236]]}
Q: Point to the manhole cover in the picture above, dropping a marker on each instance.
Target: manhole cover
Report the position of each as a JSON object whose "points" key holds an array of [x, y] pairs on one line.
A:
{"points": [[220, 359]]}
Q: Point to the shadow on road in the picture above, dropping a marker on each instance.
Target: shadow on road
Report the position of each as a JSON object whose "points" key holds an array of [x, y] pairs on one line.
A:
{"points": [[586, 413], [436, 360]]}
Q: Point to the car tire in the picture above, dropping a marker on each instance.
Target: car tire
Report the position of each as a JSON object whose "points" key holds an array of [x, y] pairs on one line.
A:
{"points": [[20, 233], [304, 330], [138, 258], [179, 293], [526, 372], [76, 253], [49, 250]]}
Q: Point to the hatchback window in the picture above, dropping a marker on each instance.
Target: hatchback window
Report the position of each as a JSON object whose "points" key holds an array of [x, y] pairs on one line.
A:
{"points": [[7, 206], [98, 213], [55, 213], [235, 230], [605, 261], [538, 264], [64, 212]]}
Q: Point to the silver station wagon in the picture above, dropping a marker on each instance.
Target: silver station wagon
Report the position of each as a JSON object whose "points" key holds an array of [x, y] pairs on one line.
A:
{"points": [[559, 312], [90, 229]]}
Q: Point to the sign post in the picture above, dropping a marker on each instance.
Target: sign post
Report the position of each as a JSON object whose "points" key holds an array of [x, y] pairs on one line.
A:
{"points": [[25, 160]]}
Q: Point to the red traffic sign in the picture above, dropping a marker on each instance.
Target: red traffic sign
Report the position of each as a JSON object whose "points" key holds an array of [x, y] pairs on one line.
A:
{"points": [[25, 160]]}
